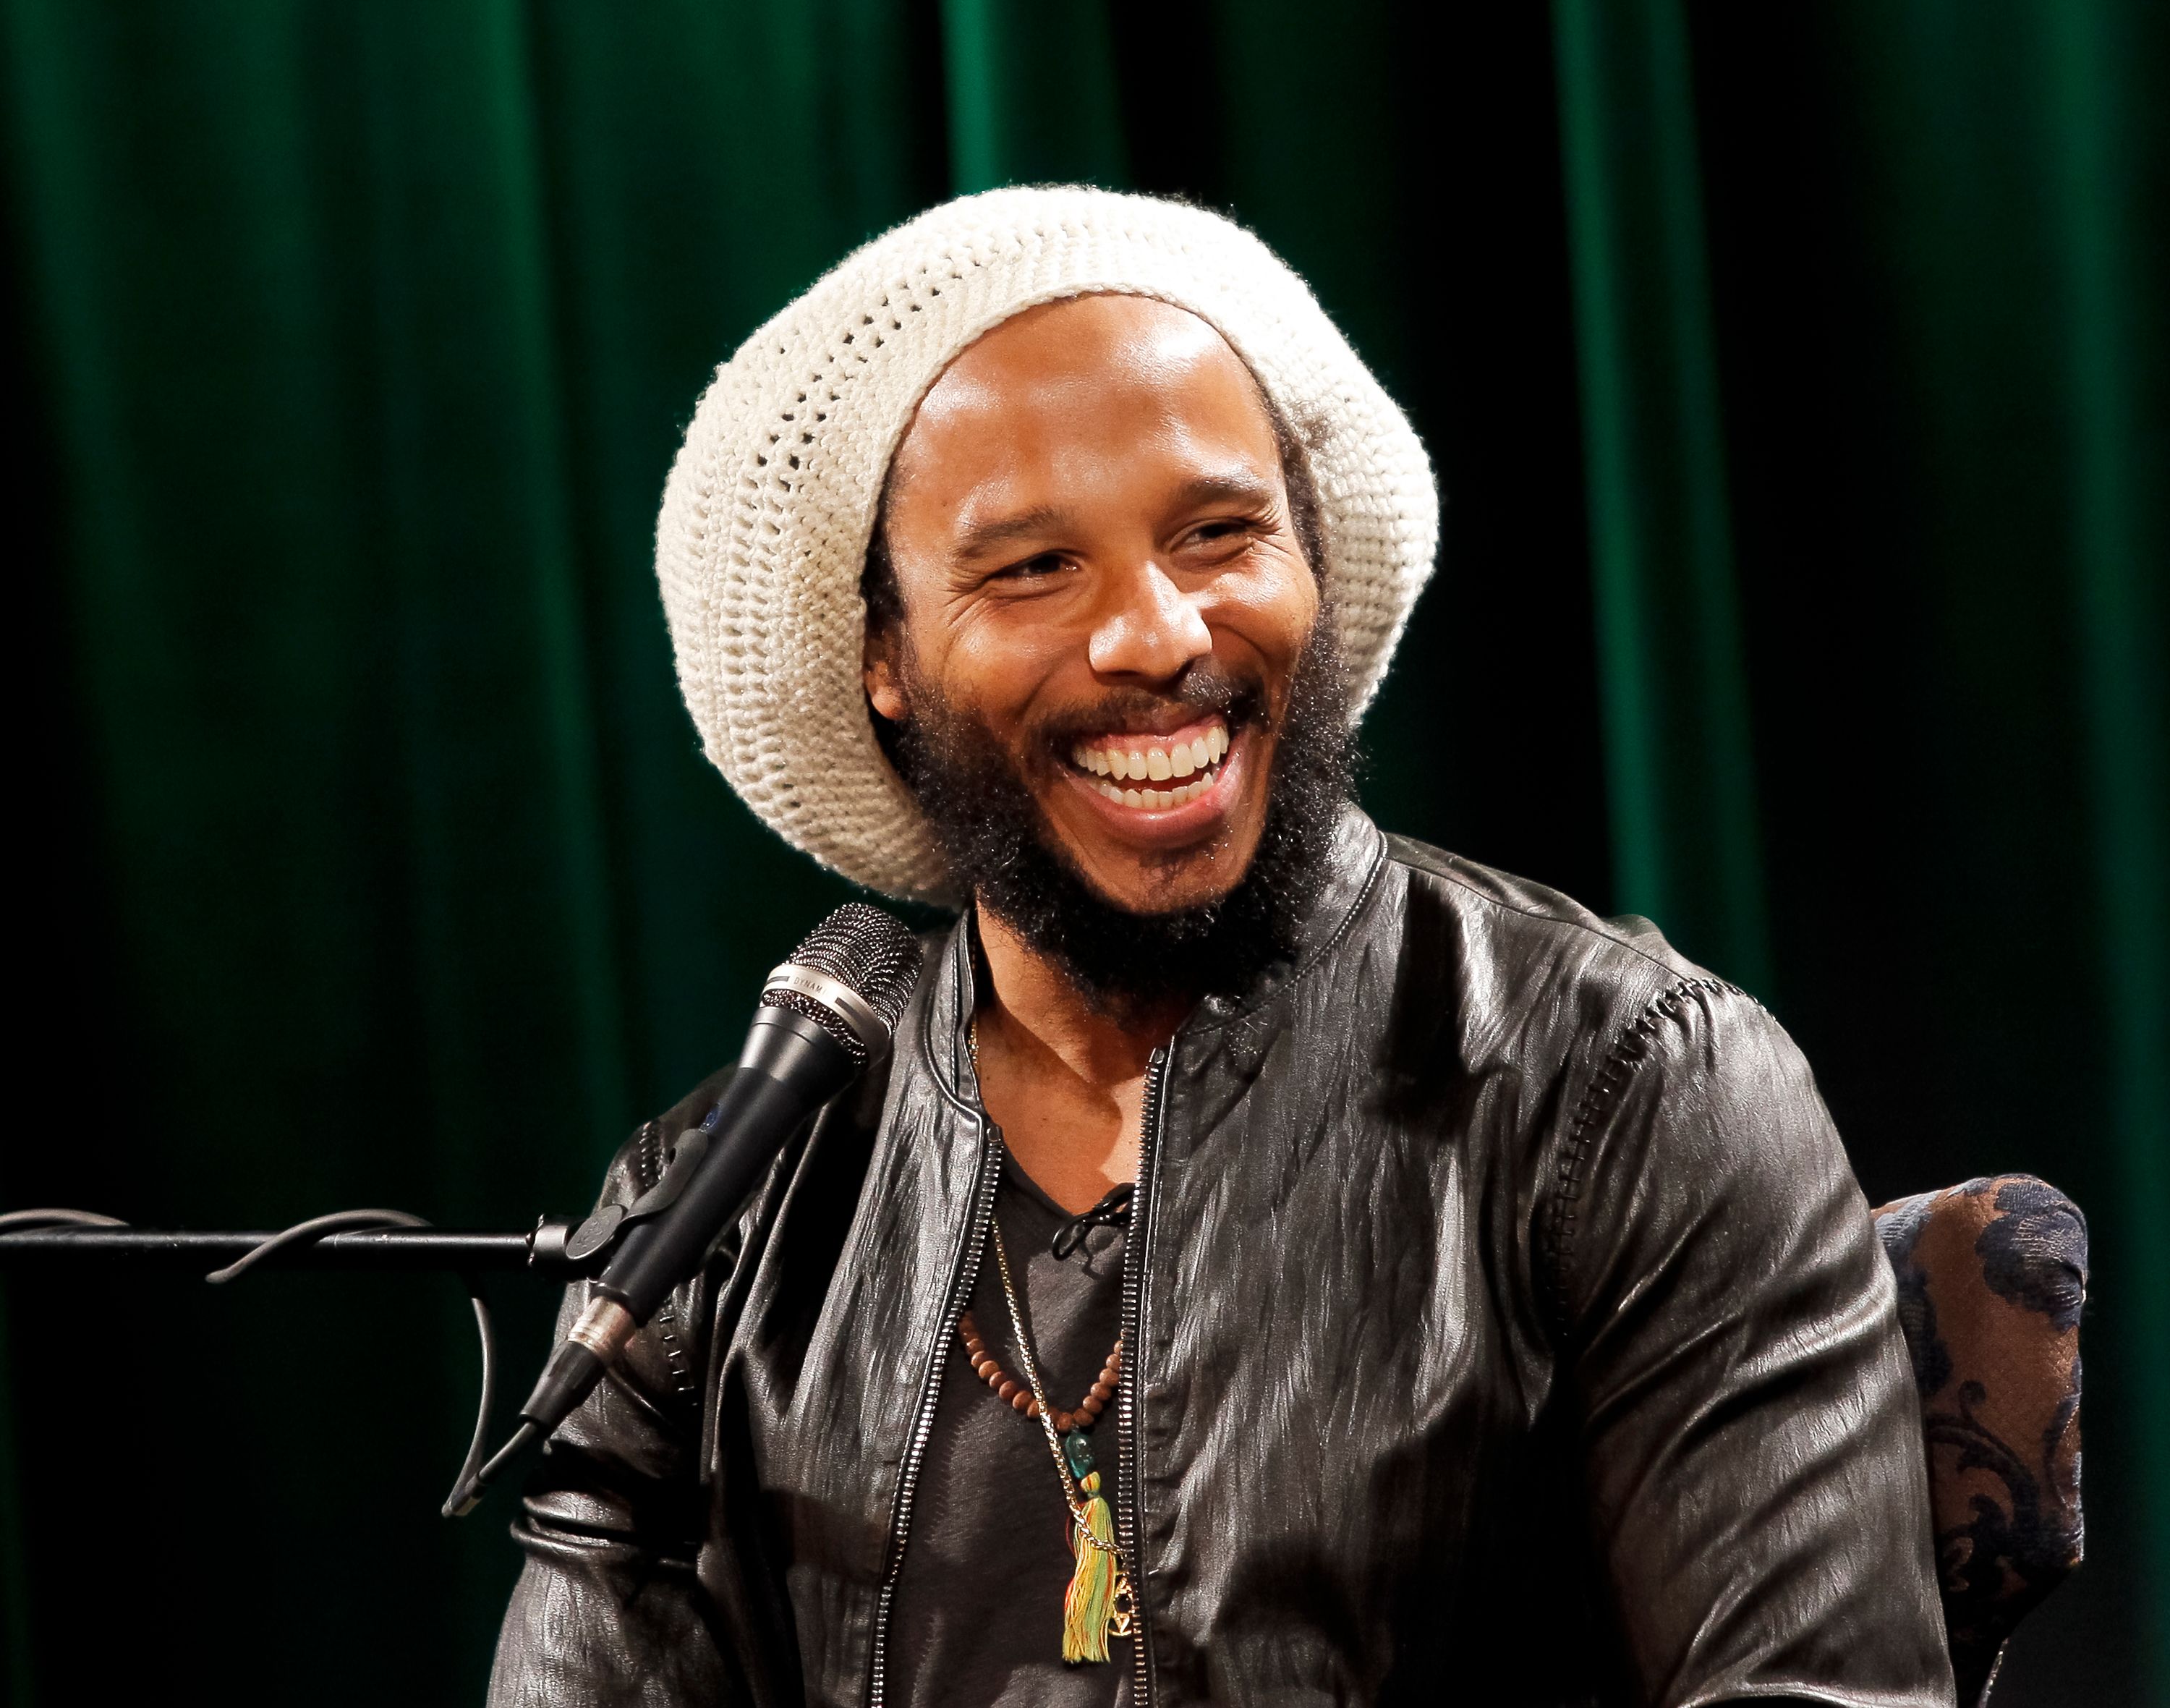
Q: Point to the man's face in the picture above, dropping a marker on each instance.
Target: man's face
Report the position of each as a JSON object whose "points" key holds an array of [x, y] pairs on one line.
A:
{"points": [[1093, 544]]}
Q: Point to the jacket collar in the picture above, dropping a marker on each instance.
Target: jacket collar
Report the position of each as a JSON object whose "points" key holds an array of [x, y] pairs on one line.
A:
{"points": [[1353, 864]]}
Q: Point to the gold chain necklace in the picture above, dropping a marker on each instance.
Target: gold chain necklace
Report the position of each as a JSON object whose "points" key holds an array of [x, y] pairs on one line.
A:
{"points": [[1098, 1604]]}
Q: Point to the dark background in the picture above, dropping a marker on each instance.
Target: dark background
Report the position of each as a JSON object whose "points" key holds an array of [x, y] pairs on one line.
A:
{"points": [[1796, 379]]}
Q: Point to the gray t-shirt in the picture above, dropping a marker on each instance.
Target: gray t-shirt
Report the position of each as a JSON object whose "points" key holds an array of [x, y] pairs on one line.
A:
{"points": [[978, 1619]]}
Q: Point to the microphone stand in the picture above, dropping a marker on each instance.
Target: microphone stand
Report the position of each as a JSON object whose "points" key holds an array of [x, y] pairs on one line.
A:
{"points": [[390, 1240]]}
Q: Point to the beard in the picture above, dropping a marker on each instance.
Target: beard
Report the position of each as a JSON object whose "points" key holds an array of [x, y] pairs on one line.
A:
{"points": [[1001, 848]]}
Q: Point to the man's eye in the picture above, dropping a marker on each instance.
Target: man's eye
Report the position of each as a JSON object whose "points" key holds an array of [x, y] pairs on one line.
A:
{"points": [[1221, 531], [1032, 568]]}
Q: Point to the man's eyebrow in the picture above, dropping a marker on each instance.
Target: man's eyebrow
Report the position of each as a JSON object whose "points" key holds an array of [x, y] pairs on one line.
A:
{"points": [[984, 536], [1243, 489]]}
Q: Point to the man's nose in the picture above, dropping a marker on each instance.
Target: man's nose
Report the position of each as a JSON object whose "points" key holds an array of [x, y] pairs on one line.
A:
{"points": [[1150, 628]]}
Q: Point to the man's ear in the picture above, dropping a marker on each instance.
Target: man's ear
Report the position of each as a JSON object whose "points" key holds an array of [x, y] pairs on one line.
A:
{"points": [[878, 670]]}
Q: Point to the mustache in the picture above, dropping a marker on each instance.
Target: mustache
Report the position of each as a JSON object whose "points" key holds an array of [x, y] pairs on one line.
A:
{"points": [[1207, 687]]}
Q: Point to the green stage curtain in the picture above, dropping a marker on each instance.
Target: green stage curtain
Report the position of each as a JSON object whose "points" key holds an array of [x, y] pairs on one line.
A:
{"points": [[1873, 303], [1796, 384], [1677, 731]]}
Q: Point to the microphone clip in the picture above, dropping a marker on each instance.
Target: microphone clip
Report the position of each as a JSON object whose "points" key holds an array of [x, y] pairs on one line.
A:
{"points": [[589, 1243]]}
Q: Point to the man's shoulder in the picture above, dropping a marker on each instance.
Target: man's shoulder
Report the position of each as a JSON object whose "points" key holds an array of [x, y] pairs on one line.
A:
{"points": [[1520, 959], [1503, 911]]}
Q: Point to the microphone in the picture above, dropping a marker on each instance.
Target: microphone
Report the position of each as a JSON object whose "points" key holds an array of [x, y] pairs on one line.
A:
{"points": [[823, 1014]]}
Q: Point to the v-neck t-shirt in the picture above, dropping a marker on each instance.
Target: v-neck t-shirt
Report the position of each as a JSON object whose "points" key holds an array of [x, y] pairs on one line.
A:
{"points": [[978, 1618]]}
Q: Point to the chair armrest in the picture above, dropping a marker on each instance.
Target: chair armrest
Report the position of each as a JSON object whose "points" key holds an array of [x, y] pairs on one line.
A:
{"points": [[1992, 1279]]}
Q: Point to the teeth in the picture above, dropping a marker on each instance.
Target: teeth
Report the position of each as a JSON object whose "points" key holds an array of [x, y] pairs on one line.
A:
{"points": [[1139, 764], [1156, 800]]}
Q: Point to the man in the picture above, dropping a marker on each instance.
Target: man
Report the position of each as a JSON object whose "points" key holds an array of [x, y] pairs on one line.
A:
{"points": [[1290, 1263]]}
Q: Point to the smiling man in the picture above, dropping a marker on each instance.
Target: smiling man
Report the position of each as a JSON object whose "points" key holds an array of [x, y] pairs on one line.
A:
{"points": [[1278, 1261]]}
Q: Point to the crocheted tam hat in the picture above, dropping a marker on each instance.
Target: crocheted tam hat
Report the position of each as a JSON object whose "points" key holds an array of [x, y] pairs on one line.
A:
{"points": [[771, 503]]}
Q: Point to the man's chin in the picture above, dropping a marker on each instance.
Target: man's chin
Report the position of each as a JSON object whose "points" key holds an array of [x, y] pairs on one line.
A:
{"points": [[1139, 876], [1149, 884], [1141, 904]]}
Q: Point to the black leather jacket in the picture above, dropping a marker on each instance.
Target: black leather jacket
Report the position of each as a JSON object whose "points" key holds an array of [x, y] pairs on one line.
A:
{"points": [[1505, 1325]]}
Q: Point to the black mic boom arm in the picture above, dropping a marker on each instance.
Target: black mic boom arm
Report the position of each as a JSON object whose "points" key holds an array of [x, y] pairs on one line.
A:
{"points": [[410, 1249]]}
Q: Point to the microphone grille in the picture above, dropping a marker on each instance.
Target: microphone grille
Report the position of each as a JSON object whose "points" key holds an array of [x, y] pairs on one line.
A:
{"points": [[871, 952]]}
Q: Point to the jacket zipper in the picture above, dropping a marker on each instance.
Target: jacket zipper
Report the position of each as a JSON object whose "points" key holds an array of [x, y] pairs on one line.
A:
{"points": [[1129, 1520], [922, 1427]]}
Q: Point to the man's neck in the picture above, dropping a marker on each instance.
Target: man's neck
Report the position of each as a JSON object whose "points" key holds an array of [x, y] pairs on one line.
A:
{"points": [[1064, 1079], [1033, 996]]}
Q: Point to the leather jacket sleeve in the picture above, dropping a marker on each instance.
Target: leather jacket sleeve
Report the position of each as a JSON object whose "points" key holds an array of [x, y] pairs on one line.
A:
{"points": [[1751, 1448], [607, 1609]]}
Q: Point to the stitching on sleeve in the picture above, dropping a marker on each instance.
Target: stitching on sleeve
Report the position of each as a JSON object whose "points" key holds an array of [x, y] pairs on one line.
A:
{"points": [[645, 1164], [1599, 1099], [667, 1321]]}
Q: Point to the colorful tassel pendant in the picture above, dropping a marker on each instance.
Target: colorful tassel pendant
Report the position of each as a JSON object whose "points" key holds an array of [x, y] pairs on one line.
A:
{"points": [[1090, 1609]]}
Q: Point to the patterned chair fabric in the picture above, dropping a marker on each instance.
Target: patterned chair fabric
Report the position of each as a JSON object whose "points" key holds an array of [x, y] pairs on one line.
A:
{"points": [[1993, 1277]]}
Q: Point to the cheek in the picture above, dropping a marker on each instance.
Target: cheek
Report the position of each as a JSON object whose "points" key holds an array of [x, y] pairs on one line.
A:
{"points": [[1270, 609], [996, 665]]}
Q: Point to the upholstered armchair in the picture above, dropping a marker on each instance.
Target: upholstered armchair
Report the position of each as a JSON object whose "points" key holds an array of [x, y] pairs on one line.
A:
{"points": [[1993, 1277]]}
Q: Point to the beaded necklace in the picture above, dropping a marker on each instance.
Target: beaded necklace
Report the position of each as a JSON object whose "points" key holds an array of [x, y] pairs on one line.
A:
{"points": [[1098, 1604]]}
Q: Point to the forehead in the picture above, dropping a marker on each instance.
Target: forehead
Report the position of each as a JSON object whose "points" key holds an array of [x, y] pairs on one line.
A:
{"points": [[1056, 391]]}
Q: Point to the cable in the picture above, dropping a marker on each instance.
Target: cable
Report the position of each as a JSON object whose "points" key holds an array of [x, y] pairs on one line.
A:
{"points": [[470, 1477], [465, 1497], [302, 1232]]}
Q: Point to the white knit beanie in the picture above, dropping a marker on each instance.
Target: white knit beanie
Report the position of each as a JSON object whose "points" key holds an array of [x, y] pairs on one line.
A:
{"points": [[771, 503]]}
